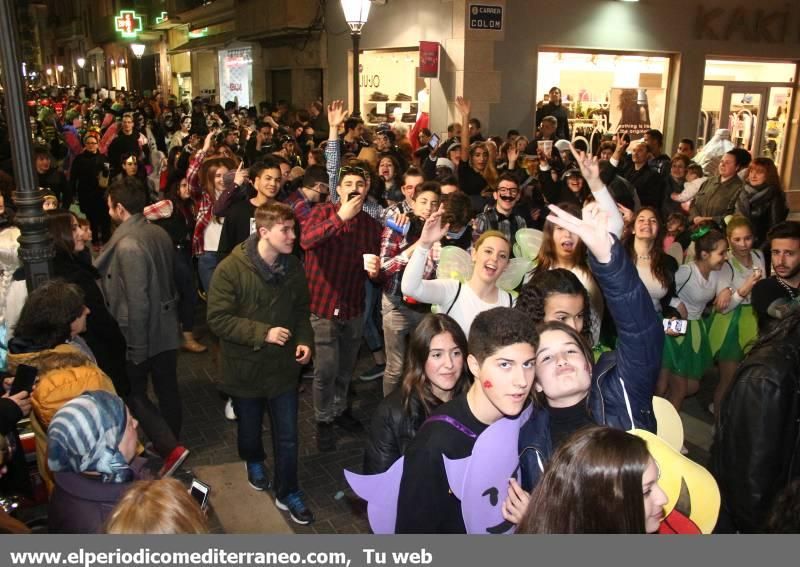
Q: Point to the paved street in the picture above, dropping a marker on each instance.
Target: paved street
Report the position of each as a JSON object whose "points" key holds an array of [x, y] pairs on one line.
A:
{"points": [[212, 440]]}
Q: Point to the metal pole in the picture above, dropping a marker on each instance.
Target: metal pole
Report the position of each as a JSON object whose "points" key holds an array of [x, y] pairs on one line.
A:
{"points": [[36, 246], [356, 112]]}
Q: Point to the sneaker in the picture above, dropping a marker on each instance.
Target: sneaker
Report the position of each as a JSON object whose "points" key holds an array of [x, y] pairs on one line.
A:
{"points": [[257, 476], [229, 413], [326, 437], [349, 423], [175, 459], [373, 373], [293, 503]]}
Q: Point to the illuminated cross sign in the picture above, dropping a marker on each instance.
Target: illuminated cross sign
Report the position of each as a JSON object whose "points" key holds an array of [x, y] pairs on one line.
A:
{"points": [[198, 33], [128, 23], [161, 18]]}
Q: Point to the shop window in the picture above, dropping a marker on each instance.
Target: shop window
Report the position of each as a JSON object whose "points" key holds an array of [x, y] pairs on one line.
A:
{"points": [[389, 85], [236, 76], [750, 99], [606, 91]]}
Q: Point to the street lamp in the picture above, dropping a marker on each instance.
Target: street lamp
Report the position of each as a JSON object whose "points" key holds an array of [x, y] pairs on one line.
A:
{"points": [[356, 13], [138, 51], [81, 64]]}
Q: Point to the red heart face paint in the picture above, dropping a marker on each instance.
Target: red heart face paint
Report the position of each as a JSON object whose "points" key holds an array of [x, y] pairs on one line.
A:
{"points": [[487, 384]]}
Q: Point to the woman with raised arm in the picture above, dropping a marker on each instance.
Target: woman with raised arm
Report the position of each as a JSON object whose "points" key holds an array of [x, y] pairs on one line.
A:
{"points": [[571, 392]]}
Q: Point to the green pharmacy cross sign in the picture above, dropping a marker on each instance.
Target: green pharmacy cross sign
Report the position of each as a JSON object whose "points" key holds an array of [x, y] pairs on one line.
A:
{"points": [[128, 23], [161, 18]]}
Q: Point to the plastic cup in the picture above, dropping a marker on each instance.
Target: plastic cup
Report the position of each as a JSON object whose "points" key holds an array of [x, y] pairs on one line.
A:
{"points": [[368, 261], [546, 146]]}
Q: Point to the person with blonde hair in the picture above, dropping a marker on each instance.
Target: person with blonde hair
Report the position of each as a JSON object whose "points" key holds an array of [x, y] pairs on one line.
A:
{"points": [[157, 507]]}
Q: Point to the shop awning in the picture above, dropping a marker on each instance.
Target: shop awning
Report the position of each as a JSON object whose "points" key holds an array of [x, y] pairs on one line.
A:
{"points": [[205, 43]]}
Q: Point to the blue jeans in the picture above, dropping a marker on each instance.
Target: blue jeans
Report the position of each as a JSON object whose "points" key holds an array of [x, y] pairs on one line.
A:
{"points": [[206, 264], [283, 424]]}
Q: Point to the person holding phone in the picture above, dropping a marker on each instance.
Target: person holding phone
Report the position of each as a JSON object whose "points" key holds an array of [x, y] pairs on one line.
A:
{"points": [[258, 305]]}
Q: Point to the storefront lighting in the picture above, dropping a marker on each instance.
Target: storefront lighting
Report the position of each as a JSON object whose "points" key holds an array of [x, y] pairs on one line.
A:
{"points": [[60, 68], [81, 62], [356, 13], [49, 71], [138, 50], [194, 34], [121, 61], [111, 61]]}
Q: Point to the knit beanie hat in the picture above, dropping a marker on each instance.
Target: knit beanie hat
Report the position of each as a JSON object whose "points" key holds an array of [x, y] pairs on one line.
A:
{"points": [[85, 434]]}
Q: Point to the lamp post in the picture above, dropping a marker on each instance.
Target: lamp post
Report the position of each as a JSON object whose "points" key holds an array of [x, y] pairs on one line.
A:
{"points": [[36, 246], [49, 72], [138, 51], [81, 64], [60, 69], [356, 13]]}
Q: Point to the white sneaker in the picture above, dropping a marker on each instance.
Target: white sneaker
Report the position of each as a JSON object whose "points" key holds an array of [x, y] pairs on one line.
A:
{"points": [[684, 450], [229, 413]]}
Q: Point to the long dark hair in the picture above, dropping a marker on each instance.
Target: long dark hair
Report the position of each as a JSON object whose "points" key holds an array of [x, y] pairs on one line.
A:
{"points": [[59, 225], [183, 206], [657, 266], [415, 382], [547, 252], [533, 296], [593, 484]]}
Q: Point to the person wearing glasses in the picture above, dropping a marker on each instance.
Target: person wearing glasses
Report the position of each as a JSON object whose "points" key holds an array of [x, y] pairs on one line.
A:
{"points": [[336, 237], [89, 177], [313, 191], [501, 217]]}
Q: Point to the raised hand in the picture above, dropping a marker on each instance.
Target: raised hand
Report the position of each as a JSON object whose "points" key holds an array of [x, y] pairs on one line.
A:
{"points": [[337, 113], [590, 168], [433, 230], [464, 106], [512, 154], [592, 228], [241, 174]]}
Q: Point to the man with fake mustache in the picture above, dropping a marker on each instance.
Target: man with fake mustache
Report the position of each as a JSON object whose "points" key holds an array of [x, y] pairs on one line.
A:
{"points": [[502, 216]]}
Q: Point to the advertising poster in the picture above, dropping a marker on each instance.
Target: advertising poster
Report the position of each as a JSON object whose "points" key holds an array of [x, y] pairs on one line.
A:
{"points": [[236, 75], [636, 110]]}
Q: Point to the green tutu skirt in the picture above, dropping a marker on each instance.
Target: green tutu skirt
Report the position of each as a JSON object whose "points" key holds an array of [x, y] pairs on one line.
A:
{"points": [[730, 333], [689, 355]]}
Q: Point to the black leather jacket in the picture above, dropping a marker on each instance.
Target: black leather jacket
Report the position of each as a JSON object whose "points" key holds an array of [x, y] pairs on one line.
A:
{"points": [[391, 430], [757, 444]]}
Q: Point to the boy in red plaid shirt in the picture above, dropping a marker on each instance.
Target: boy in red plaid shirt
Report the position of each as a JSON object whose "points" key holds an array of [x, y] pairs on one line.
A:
{"points": [[335, 237]]}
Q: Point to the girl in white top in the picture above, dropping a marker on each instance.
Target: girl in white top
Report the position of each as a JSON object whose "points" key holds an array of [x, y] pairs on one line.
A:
{"points": [[462, 302], [645, 247], [687, 357], [734, 324]]}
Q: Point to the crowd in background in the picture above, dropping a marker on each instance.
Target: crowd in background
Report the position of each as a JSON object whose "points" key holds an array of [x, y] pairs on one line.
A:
{"points": [[577, 282]]}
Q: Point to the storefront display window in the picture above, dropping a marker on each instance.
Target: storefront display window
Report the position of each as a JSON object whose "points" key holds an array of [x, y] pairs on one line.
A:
{"points": [[389, 85], [236, 76], [606, 91], [752, 100]]}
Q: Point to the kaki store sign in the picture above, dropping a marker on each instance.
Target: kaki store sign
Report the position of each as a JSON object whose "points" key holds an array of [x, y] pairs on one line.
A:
{"points": [[740, 23]]}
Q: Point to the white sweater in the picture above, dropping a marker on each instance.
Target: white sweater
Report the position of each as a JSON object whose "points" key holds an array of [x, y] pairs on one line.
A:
{"points": [[442, 293]]}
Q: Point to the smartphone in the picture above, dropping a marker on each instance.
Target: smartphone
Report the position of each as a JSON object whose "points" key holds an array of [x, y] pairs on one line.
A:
{"points": [[676, 326], [24, 380], [199, 491], [434, 141]]}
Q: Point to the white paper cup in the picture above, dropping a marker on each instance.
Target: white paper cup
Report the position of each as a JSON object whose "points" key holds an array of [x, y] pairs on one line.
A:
{"points": [[368, 261]]}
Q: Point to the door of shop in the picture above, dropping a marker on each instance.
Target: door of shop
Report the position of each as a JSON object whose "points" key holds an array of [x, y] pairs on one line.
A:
{"points": [[754, 113]]}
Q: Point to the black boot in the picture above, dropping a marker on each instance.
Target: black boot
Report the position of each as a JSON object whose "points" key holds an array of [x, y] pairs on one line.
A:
{"points": [[326, 437]]}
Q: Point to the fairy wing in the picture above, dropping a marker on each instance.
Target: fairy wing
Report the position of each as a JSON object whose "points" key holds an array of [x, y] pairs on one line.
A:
{"points": [[454, 264], [527, 242], [513, 274]]}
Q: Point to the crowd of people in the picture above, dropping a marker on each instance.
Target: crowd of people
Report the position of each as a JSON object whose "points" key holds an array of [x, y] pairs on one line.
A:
{"points": [[490, 278]]}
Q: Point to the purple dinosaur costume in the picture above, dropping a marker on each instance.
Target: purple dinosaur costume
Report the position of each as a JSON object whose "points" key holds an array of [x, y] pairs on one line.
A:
{"points": [[480, 481]]}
